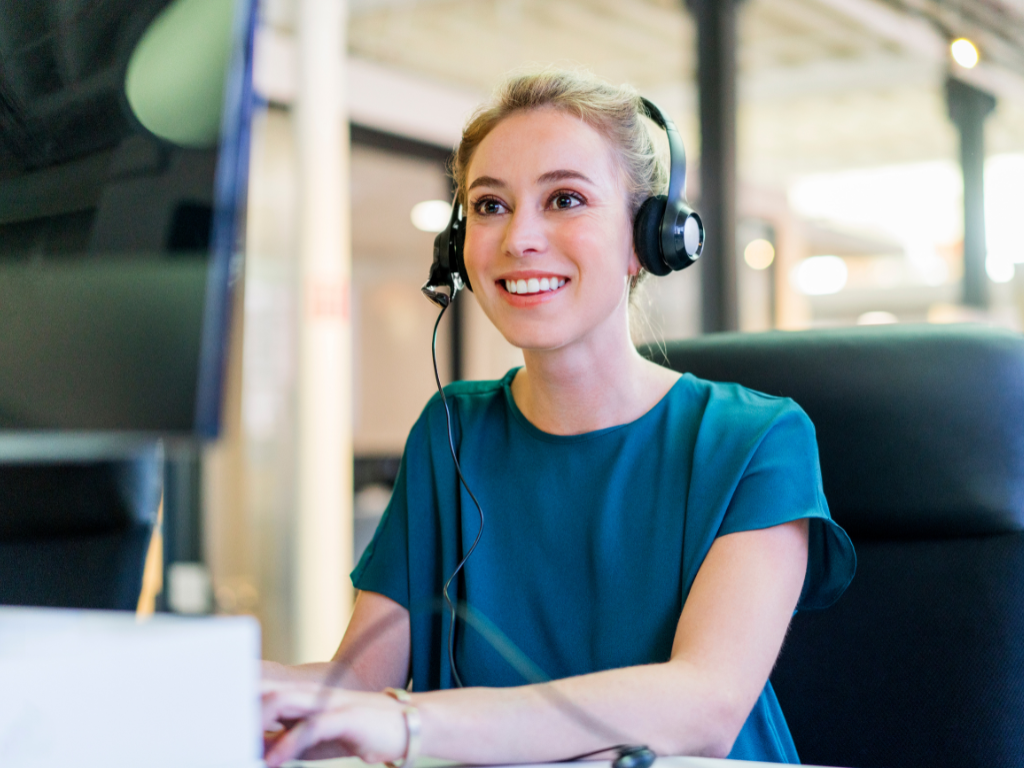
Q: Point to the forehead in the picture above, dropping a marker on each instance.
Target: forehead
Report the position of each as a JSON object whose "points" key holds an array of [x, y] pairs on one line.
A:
{"points": [[536, 141]]}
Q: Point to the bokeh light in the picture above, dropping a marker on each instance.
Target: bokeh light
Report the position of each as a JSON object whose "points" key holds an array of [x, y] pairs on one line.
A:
{"points": [[759, 254], [1004, 201], [877, 317], [999, 270], [820, 275], [431, 215], [964, 53]]}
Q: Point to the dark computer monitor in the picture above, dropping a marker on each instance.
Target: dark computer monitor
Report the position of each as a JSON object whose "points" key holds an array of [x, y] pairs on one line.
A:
{"points": [[124, 149]]}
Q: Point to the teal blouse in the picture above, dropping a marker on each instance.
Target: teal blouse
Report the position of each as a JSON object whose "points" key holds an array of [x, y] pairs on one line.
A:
{"points": [[592, 541]]}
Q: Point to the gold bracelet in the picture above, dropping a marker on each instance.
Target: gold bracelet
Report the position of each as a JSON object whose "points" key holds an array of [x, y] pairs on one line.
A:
{"points": [[412, 729]]}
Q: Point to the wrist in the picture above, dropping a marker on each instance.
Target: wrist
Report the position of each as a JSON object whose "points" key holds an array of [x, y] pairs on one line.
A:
{"points": [[411, 716]]}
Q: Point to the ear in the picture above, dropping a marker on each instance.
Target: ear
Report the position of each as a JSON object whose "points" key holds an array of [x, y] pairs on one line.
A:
{"points": [[634, 262]]}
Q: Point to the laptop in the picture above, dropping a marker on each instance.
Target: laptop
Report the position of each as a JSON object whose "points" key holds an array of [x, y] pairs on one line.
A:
{"points": [[103, 689]]}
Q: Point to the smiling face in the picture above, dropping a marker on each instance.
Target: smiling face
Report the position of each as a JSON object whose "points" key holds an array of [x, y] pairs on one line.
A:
{"points": [[549, 235]]}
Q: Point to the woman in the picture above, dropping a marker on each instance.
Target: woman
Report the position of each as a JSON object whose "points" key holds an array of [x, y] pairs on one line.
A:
{"points": [[649, 535]]}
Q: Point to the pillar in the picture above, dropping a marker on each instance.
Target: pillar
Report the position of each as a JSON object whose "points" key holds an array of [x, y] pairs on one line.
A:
{"points": [[323, 554], [716, 86], [968, 108]]}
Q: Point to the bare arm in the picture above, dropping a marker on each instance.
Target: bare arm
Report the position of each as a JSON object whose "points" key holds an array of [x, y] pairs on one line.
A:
{"points": [[727, 639], [373, 655]]}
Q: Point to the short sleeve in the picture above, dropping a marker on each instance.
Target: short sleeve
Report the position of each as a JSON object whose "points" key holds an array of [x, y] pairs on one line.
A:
{"points": [[384, 566], [782, 483]]}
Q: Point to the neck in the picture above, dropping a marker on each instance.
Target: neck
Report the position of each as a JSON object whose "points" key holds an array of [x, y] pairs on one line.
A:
{"points": [[589, 386]]}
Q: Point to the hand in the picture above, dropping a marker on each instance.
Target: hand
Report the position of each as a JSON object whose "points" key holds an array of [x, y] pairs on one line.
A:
{"points": [[370, 726], [271, 670]]}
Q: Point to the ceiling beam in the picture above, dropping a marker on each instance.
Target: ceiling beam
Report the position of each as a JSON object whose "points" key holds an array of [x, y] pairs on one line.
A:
{"points": [[918, 36], [876, 71], [378, 96]]}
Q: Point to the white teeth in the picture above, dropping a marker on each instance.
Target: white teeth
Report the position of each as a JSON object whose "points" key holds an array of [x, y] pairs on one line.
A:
{"points": [[534, 285]]}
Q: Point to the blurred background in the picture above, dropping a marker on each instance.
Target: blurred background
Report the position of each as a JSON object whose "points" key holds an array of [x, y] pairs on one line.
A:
{"points": [[855, 162], [849, 207]]}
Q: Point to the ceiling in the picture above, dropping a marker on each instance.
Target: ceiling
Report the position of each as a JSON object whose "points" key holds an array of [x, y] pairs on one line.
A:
{"points": [[824, 84]]}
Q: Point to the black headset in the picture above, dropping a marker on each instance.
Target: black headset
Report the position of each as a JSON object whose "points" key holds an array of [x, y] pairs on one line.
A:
{"points": [[667, 234]]}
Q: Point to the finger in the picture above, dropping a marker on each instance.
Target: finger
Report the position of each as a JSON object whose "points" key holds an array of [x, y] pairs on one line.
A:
{"points": [[279, 750], [270, 738], [277, 707], [269, 684], [294, 742], [269, 716], [304, 691]]}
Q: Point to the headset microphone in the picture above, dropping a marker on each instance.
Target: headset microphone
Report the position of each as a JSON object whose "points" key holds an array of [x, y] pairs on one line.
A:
{"points": [[435, 295], [448, 270]]}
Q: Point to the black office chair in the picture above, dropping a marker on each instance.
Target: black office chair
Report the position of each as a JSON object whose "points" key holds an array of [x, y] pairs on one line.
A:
{"points": [[75, 535], [921, 436]]}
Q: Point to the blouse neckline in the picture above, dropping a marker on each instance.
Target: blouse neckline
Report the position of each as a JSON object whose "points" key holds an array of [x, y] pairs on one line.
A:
{"points": [[539, 434]]}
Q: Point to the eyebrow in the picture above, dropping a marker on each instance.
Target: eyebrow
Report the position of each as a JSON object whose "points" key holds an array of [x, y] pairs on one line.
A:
{"points": [[562, 175], [544, 178], [486, 181]]}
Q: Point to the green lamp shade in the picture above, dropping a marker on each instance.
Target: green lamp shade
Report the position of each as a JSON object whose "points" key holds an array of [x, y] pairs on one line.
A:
{"points": [[175, 79]]}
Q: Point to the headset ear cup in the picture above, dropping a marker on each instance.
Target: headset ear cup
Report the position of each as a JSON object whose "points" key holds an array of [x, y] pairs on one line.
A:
{"points": [[647, 235]]}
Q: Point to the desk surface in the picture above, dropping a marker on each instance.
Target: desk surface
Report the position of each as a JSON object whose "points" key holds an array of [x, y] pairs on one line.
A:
{"points": [[661, 762]]}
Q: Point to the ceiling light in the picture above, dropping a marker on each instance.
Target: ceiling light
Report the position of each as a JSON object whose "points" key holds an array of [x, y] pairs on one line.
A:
{"points": [[759, 254], [431, 215], [820, 275], [964, 53]]}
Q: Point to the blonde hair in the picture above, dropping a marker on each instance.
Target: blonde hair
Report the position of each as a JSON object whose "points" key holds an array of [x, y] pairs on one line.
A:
{"points": [[614, 111]]}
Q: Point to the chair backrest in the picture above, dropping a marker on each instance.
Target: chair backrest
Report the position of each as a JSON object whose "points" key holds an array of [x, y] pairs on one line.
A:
{"points": [[921, 436], [75, 535]]}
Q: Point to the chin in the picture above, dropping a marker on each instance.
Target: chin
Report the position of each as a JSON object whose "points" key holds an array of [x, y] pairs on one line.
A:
{"points": [[553, 334], [548, 339], [536, 342]]}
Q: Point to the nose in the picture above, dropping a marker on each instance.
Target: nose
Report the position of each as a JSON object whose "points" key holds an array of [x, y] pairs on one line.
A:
{"points": [[524, 234]]}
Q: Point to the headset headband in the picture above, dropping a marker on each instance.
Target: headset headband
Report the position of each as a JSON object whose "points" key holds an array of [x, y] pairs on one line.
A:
{"points": [[676, 150], [677, 212]]}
